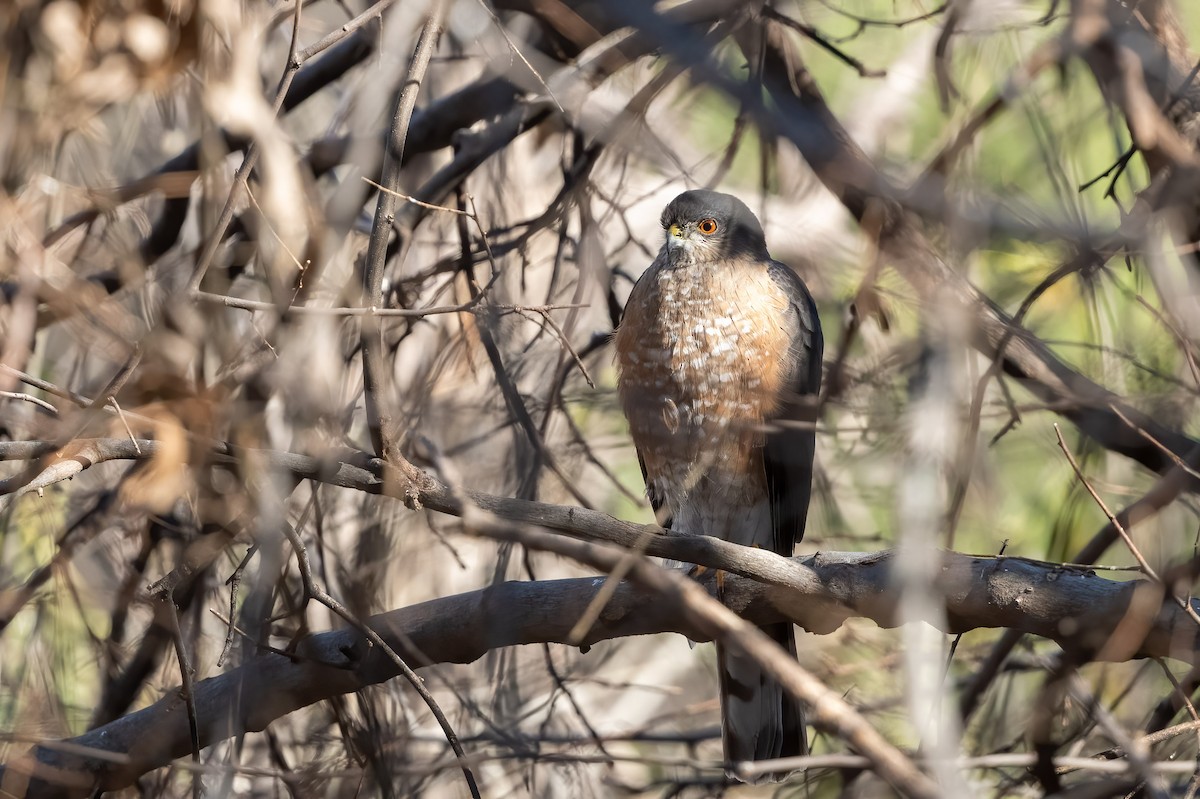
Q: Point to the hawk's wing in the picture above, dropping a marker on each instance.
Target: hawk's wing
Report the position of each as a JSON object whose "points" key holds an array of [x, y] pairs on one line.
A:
{"points": [[661, 514], [789, 451]]}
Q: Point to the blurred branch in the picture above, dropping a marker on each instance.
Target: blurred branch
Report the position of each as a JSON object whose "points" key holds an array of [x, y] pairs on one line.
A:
{"points": [[846, 171], [310, 79], [379, 391], [241, 176], [1072, 606], [1096, 30], [1046, 55], [1164, 491], [1107, 35], [1141, 62], [825, 44], [360, 472], [962, 574], [283, 375], [315, 592]]}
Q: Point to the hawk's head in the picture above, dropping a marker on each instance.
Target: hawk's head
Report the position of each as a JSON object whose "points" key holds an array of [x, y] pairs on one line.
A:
{"points": [[709, 227]]}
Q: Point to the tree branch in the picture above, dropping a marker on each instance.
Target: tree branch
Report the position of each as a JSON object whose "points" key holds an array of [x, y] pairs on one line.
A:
{"points": [[802, 116], [1083, 612]]}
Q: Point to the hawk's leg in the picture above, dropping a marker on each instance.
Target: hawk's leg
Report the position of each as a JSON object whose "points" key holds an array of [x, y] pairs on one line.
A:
{"points": [[697, 571]]}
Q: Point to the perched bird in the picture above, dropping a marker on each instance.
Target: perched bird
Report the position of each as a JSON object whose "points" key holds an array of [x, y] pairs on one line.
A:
{"points": [[717, 342]]}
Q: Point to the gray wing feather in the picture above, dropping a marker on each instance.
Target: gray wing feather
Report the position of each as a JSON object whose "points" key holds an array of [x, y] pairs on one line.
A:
{"points": [[766, 723], [789, 450]]}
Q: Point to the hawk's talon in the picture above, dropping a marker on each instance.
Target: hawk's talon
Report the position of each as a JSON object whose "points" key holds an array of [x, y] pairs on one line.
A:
{"points": [[697, 571]]}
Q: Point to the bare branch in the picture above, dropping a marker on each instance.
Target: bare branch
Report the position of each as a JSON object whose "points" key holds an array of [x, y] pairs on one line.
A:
{"points": [[1072, 606]]}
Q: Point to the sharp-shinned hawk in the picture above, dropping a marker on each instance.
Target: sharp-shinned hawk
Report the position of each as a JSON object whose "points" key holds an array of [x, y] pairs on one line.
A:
{"points": [[718, 341]]}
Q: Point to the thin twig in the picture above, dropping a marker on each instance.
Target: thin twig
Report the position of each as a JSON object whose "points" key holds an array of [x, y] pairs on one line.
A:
{"points": [[233, 582], [1185, 344], [217, 236], [188, 686], [1136, 751], [1153, 441], [313, 591], [41, 403], [378, 388], [825, 44], [566, 343], [330, 39], [517, 52], [403, 313], [124, 422], [1121, 531], [470, 306], [1146, 568]]}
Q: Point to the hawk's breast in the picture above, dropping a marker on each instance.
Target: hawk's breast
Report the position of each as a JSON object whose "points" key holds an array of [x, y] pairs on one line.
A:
{"points": [[701, 353]]}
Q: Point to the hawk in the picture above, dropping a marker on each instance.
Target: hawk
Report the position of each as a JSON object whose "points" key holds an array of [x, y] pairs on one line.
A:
{"points": [[717, 341]]}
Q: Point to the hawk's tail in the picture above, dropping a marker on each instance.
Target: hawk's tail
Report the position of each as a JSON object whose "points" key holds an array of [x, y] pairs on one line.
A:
{"points": [[759, 721]]}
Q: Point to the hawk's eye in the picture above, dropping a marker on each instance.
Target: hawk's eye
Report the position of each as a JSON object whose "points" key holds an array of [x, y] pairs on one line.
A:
{"points": [[707, 226]]}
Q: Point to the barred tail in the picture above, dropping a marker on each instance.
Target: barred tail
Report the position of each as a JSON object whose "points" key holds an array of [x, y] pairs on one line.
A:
{"points": [[759, 721]]}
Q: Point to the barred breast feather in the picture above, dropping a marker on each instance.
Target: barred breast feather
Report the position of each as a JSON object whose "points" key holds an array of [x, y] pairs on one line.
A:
{"points": [[707, 358]]}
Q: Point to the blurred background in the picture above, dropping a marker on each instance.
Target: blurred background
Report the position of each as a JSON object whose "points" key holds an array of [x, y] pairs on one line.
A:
{"points": [[545, 141]]}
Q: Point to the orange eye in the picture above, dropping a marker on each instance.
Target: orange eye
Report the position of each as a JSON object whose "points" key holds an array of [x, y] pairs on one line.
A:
{"points": [[707, 226]]}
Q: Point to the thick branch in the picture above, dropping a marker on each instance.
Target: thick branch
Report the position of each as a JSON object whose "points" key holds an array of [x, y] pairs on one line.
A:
{"points": [[360, 472], [1083, 612]]}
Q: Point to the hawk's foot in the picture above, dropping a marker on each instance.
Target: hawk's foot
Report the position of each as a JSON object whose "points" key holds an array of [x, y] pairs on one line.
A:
{"points": [[697, 571]]}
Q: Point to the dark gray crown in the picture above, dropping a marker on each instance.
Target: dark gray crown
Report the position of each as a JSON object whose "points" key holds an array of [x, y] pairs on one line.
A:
{"points": [[738, 230]]}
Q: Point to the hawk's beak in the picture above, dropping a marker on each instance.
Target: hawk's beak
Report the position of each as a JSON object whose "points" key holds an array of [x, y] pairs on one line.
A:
{"points": [[675, 237]]}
